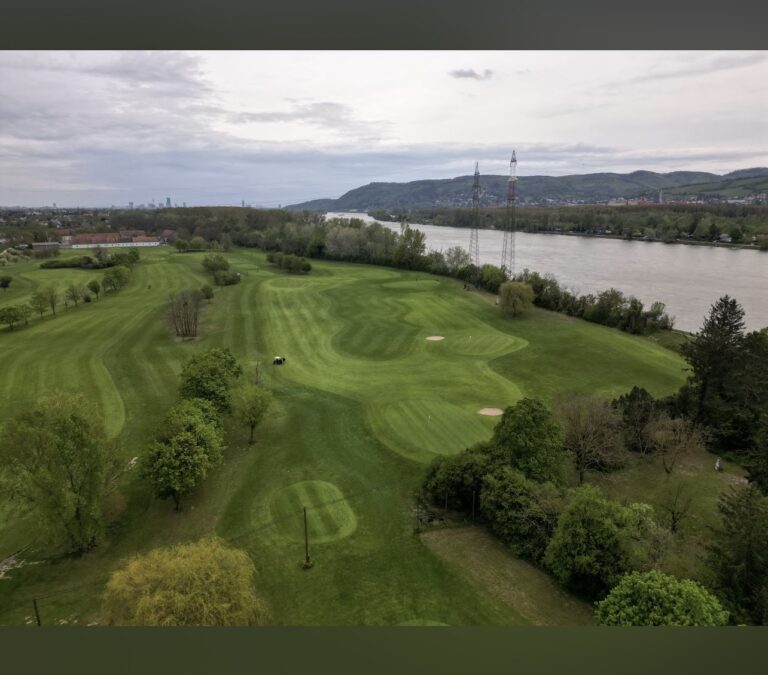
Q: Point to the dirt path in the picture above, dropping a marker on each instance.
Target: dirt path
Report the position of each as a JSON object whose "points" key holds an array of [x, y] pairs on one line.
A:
{"points": [[492, 568]]}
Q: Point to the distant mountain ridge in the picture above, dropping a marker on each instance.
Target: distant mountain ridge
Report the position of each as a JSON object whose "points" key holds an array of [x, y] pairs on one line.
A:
{"points": [[591, 187]]}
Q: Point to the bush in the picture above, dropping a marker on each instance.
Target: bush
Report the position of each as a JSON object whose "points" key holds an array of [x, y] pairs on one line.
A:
{"points": [[522, 513], [657, 599], [226, 278], [215, 262]]}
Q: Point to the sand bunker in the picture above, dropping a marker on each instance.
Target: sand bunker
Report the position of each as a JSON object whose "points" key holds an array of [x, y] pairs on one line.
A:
{"points": [[493, 412], [435, 337]]}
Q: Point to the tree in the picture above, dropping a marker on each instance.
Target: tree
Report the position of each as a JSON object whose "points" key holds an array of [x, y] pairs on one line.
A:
{"points": [[677, 504], [5, 281], [184, 312], [657, 599], [597, 541], [757, 463], [181, 245], [39, 302], [672, 438], [456, 258], [491, 277], [56, 460], [738, 555], [198, 244], [72, 294], [521, 512], [636, 408], [10, 316], [456, 480], [26, 311], [189, 445], [52, 296], [530, 439], [94, 287], [116, 278], [592, 433], [728, 387], [215, 262], [515, 297], [207, 292], [208, 375], [205, 583], [250, 404]]}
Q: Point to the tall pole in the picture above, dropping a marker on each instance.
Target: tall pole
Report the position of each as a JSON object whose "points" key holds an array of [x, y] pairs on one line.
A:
{"points": [[474, 243], [307, 559], [37, 612], [510, 228]]}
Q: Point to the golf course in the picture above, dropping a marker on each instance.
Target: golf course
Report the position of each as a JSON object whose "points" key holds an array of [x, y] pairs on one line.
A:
{"points": [[363, 403]]}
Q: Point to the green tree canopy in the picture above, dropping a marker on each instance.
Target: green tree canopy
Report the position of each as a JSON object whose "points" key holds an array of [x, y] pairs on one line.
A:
{"points": [[597, 541], [208, 375], [200, 584], [56, 459], [529, 438], [189, 444], [738, 555], [657, 599], [250, 404], [515, 297], [522, 512]]}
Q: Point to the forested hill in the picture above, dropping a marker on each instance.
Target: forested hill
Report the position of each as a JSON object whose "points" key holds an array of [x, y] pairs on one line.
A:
{"points": [[592, 187]]}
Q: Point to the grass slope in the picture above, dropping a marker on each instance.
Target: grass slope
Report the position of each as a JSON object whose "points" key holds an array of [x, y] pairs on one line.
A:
{"points": [[363, 403]]}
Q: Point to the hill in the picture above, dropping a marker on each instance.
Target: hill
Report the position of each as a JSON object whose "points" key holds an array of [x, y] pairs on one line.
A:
{"points": [[589, 188]]}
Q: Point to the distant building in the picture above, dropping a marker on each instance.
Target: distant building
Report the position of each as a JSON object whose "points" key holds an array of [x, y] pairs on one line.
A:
{"points": [[168, 202], [126, 239]]}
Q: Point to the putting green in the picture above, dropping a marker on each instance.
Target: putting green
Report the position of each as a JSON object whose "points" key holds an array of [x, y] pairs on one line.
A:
{"points": [[413, 427], [329, 516]]}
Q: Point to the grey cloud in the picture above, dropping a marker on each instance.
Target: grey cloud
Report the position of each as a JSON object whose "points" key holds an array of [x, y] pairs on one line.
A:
{"points": [[719, 63], [326, 114], [471, 74]]}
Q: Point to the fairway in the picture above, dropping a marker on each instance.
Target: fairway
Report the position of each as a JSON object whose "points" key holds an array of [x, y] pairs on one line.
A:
{"points": [[363, 403]]}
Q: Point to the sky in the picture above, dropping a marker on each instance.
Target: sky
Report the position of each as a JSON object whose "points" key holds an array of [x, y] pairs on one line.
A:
{"points": [[273, 128]]}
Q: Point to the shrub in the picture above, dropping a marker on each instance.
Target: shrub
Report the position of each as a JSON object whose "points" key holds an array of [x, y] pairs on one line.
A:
{"points": [[226, 278], [215, 262]]}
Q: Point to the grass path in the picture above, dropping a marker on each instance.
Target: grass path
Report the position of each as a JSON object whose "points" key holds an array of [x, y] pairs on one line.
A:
{"points": [[363, 403], [514, 581]]}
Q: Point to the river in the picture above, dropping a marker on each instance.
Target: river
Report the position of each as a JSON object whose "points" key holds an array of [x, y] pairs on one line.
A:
{"points": [[687, 278]]}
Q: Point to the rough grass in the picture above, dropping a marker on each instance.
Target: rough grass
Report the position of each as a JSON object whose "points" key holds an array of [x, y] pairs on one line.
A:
{"points": [[363, 403]]}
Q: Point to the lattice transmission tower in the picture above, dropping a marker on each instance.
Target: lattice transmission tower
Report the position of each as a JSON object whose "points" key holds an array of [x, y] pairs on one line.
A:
{"points": [[474, 243], [510, 228]]}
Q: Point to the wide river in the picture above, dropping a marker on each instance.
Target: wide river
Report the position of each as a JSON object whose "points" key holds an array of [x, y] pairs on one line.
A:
{"points": [[688, 279]]}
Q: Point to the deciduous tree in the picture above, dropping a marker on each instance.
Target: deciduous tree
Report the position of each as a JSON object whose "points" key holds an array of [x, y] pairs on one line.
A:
{"points": [[529, 438], [250, 404], [657, 599], [515, 297], [57, 459], [592, 433], [205, 583]]}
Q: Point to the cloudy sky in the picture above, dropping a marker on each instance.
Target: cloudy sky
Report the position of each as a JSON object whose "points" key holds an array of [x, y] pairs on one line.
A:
{"points": [[101, 128]]}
